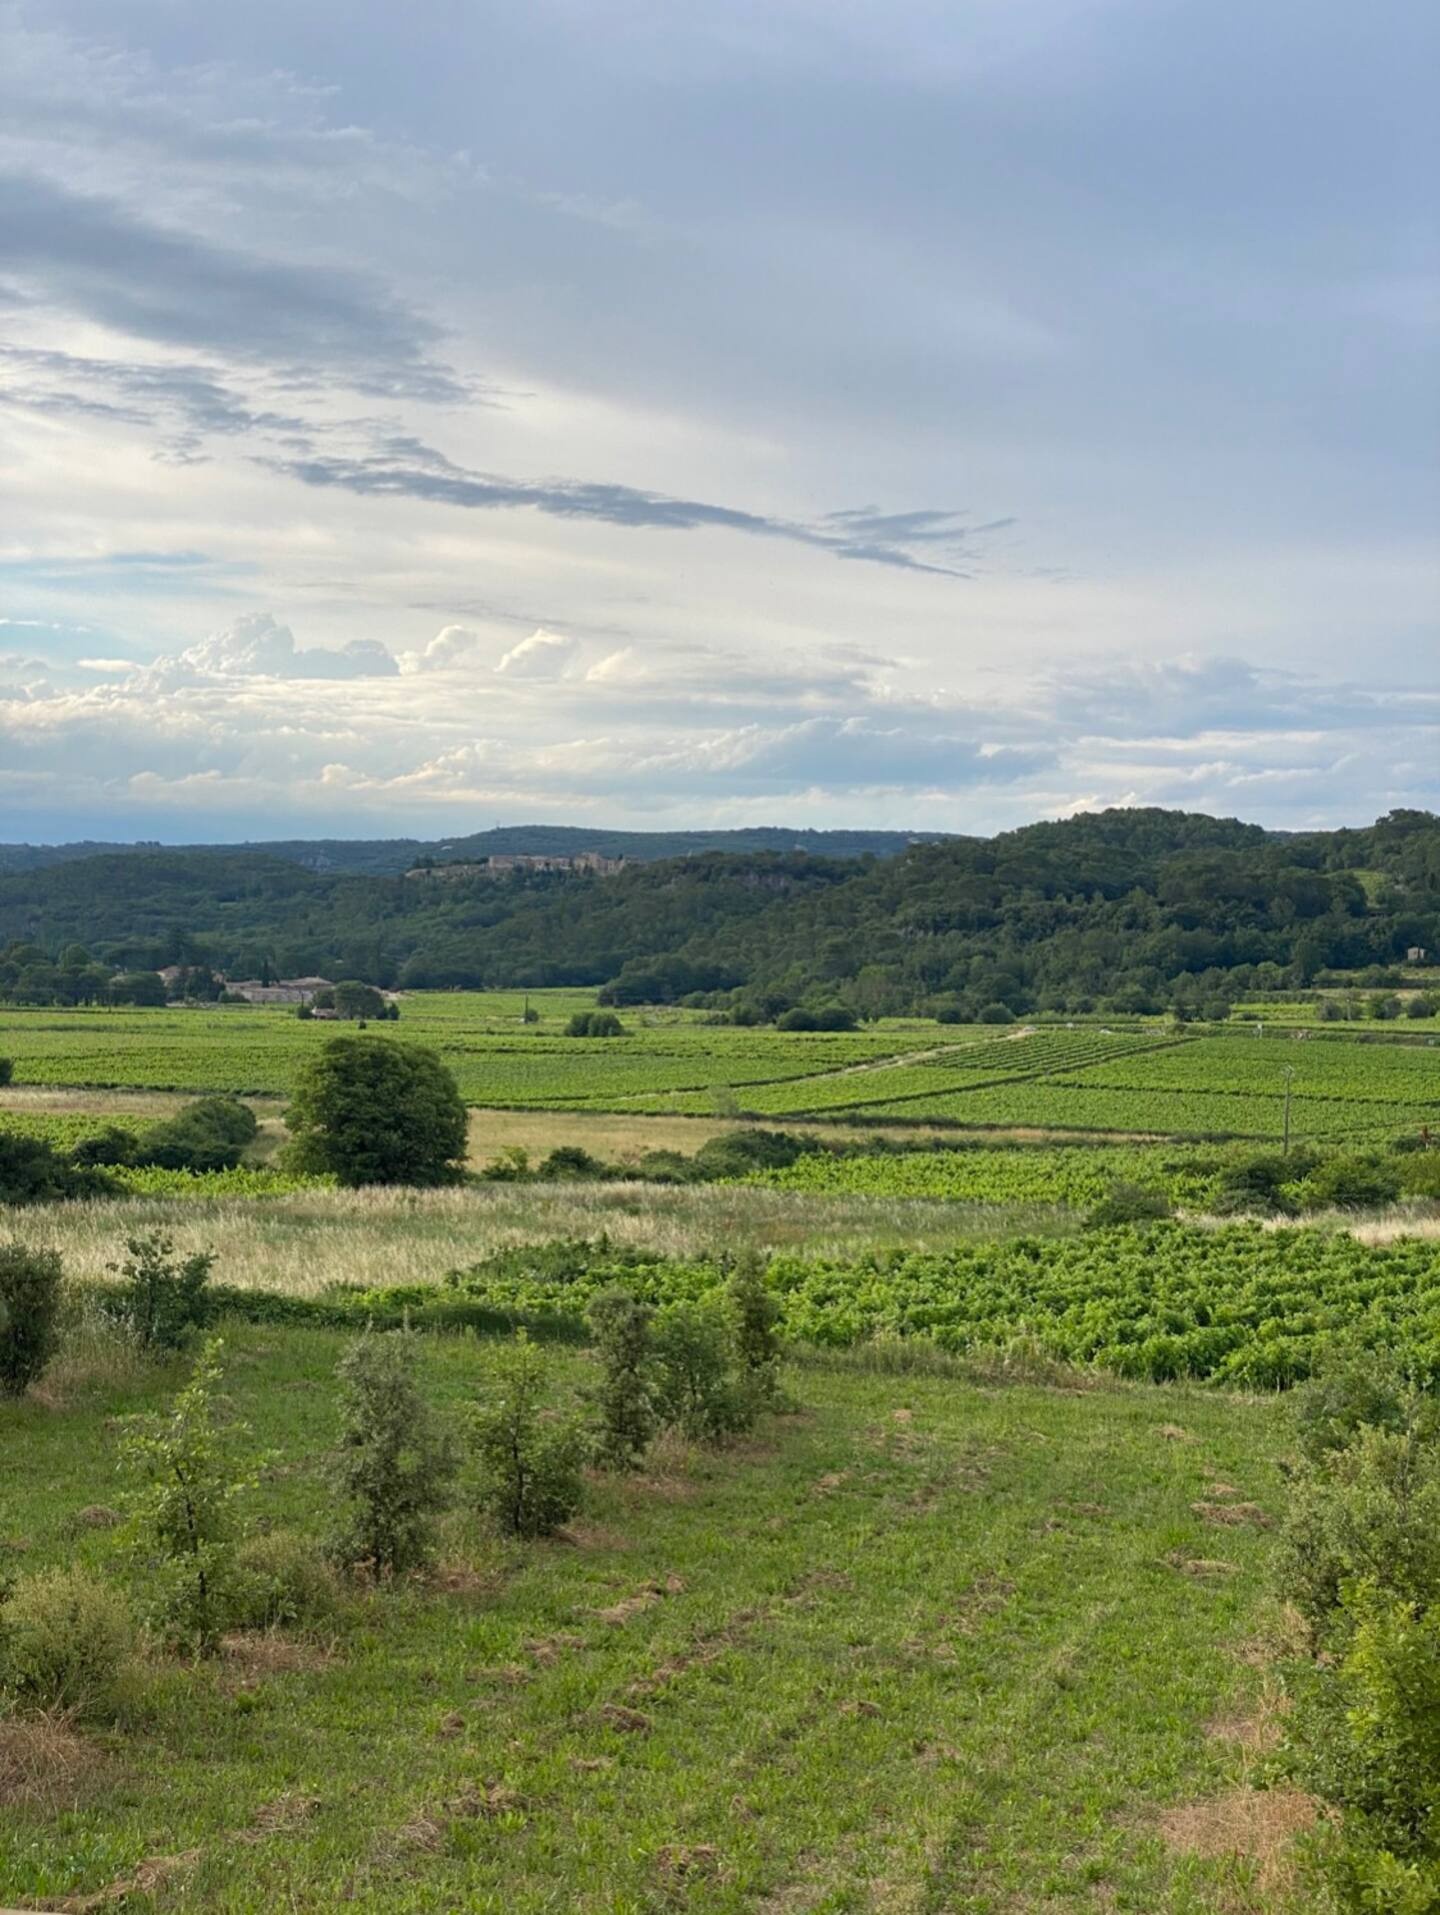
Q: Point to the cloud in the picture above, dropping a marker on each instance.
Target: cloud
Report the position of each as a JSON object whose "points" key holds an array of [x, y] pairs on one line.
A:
{"points": [[451, 646], [439, 482], [259, 646], [96, 259], [542, 655]]}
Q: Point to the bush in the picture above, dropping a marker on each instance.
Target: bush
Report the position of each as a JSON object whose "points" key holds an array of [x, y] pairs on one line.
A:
{"points": [[696, 1386], [210, 1134], [282, 1580], [1420, 1174], [160, 1297], [570, 1162], [108, 1147], [1361, 1562], [1255, 1185], [1355, 1182], [594, 1024], [30, 1285], [625, 1397], [529, 1462], [394, 1466], [755, 1310], [736, 1153], [1129, 1203], [34, 1172], [183, 1529], [370, 1111], [68, 1642], [995, 1014]]}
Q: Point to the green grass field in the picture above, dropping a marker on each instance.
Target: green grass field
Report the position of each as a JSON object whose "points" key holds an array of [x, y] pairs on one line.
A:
{"points": [[929, 1645]]}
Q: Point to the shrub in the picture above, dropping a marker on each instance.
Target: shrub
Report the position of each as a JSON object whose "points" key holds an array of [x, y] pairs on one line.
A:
{"points": [[755, 1310], [1129, 1203], [594, 1024], [33, 1172], [625, 1397], [569, 1162], [68, 1642], [1255, 1185], [1351, 1394], [530, 1462], [183, 1529], [1353, 1182], [1420, 1174], [697, 1389], [160, 1297], [1362, 1564], [210, 1134], [107, 1147], [736, 1153], [30, 1287], [282, 1579], [394, 1466], [995, 1014], [370, 1111]]}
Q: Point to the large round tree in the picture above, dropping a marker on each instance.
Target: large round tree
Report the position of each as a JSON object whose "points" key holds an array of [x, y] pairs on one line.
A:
{"points": [[374, 1112]]}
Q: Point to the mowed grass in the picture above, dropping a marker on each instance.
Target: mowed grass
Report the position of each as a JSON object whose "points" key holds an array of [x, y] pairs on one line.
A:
{"points": [[926, 1646]]}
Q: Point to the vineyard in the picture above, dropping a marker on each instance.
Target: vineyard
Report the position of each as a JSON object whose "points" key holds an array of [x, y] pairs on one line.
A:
{"points": [[1136, 1081], [1241, 1306]]}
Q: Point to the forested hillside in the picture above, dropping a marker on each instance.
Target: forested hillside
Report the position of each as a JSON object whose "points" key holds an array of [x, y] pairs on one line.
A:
{"points": [[1123, 910], [388, 857]]}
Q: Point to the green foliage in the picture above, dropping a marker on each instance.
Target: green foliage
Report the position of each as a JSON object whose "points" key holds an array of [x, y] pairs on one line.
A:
{"points": [[68, 1643], [282, 1581], [594, 1024], [1361, 1563], [33, 1172], [7, 1072], [369, 1111], [30, 1291], [624, 1400], [1129, 1203], [394, 1466], [1352, 1393], [161, 1298], [183, 1528], [756, 1312], [697, 1387], [352, 999], [529, 1460], [1354, 1182], [210, 1134], [1420, 1174]]}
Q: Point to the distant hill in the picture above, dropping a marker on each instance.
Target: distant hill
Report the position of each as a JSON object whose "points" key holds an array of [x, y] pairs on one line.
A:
{"points": [[1123, 910], [386, 857]]}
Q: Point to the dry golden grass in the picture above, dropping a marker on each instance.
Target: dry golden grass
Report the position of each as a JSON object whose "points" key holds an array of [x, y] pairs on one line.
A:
{"points": [[302, 1242]]}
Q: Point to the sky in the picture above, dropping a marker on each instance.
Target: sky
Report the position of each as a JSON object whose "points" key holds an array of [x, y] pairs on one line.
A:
{"points": [[895, 413]]}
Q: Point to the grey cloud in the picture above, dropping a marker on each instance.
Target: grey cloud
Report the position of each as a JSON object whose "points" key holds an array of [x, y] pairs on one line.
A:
{"points": [[442, 483], [95, 258]]}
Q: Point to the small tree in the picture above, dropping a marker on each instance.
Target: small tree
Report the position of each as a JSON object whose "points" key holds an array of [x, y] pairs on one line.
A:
{"points": [[756, 1310], [529, 1462], [624, 1400], [394, 1466], [698, 1391], [1129, 1203], [353, 999], [370, 1111], [30, 1282], [160, 1297], [183, 1529]]}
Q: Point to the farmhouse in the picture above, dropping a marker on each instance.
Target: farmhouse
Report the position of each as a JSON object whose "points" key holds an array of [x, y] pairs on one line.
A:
{"points": [[285, 990], [505, 864]]}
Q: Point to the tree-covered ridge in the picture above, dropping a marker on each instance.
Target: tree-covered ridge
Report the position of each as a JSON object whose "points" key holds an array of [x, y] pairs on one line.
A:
{"points": [[1124, 910]]}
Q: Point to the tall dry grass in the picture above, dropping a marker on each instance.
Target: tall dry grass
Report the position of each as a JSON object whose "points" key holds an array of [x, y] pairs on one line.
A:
{"points": [[300, 1243]]}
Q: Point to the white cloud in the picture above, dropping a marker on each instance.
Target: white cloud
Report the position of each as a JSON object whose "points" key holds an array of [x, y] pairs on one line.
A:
{"points": [[542, 655], [452, 646], [259, 646]]}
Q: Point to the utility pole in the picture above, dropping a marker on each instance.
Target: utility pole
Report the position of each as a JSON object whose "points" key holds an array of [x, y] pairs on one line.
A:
{"points": [[1289, 1081]]}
